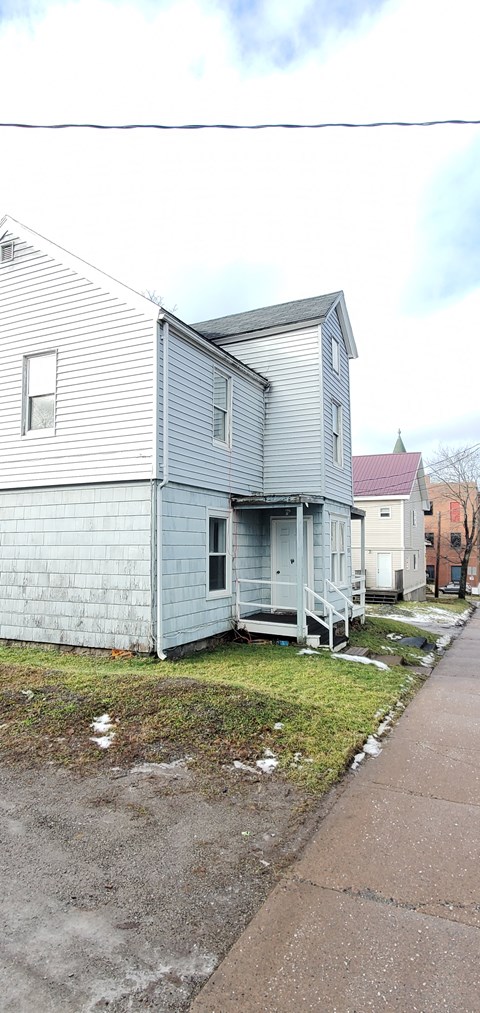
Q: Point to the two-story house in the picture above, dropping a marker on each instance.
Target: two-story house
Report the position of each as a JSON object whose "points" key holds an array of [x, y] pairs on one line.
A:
{"points": [[160, 482], [391, 490]]}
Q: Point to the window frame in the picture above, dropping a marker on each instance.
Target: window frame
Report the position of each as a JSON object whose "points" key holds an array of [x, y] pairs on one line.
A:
{"points": [[7, 251], [337, 437], [414, 517], [335, 356], [387, 515], [338, 553], [224, 515], [456, 539], [455, 512], [227, 412], [27, 430]]}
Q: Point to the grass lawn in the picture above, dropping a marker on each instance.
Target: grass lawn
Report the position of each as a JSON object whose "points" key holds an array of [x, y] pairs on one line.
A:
{"points": [[215, 707]]}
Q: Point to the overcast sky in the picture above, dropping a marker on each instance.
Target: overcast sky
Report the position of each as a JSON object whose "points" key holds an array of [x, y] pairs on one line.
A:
{"points": [[219, 222]]}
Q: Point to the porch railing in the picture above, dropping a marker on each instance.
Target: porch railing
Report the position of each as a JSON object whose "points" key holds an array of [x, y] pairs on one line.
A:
{"points": [[328, 609]]}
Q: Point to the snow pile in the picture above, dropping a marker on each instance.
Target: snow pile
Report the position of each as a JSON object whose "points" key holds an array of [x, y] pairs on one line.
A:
{"points": [[372, 747], [104, 726], [243, 766], [362, 660], [432, 614], [307, 650], [268, 763], [357, 759], [278, 726]]}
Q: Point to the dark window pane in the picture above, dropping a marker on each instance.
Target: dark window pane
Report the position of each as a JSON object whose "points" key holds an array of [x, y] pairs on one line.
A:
{"points": [[217, 534], [455, 539], [217, 573], [456, 573], [220, 425]]}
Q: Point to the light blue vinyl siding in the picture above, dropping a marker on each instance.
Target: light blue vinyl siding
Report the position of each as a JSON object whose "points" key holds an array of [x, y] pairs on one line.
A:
{"points": [[188, 613], [194, 458], [251, 540], [293, 426], [338, 480]]}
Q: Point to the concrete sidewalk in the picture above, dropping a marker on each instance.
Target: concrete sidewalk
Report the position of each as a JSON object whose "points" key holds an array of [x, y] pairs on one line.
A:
{"points": [[383, 910]]}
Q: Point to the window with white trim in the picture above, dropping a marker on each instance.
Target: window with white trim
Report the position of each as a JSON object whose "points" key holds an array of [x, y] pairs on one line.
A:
{"points": [[335, 356], [338, 553], [385, 512], [222, 399], [337, 430], [40, 384], [415, 560], [414, 518], [219, 555]]}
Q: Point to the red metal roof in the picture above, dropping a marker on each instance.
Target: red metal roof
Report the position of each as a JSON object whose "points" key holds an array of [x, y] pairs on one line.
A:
{"points": [[384, 474]]}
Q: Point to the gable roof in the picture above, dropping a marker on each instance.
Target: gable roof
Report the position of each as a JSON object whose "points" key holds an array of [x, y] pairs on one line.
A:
{"points": [[385, 474], [280, 317]]}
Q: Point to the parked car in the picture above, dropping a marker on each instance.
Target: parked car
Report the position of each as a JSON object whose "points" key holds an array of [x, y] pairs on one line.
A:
{"points": [[453, 588]]}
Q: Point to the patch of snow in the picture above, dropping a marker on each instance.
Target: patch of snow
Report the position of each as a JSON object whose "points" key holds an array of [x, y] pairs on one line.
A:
{"points": [[278, 726], [307, 650], [357, 759], [243, 766], [362, 660], [394, 636], [154, 768], [400, 706], [104, 726], [385, 725], [444, 640], [268, 763], [428, 660], [28, 693], [427, 616], [372, 747]]}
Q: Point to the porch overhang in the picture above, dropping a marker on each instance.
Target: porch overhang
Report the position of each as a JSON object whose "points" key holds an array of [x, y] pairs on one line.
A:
{"points": [[356, 514], [274, 502]]}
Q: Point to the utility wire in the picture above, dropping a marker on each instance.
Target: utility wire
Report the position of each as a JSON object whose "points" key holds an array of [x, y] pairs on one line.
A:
{"points": [[239, 126]]}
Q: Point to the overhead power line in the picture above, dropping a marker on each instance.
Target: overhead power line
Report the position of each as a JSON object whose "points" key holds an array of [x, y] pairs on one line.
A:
{"points": [[239, 126]]}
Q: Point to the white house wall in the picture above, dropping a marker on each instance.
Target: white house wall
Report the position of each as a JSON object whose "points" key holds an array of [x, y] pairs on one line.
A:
{"points": [[293, 424], [105, 355], [75, 566], [194, 458], [382, 534], [414, 541]]}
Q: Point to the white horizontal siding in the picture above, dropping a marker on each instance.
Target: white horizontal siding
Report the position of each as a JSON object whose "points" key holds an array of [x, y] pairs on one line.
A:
{"points": [[75, 566], [293, 435], [105, 356], [194, 459]]}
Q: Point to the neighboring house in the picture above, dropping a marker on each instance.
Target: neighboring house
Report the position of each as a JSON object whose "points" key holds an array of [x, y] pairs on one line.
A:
{"points": [[391, 489], [447, 522], [160, 482]]}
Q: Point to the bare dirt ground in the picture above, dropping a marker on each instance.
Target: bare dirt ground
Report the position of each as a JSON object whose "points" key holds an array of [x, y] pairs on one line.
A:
{"points": [[123, 890]]}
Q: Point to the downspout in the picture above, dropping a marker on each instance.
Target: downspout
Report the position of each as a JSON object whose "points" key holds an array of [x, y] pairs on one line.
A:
{"points": [[159, 490], [301, 620]]}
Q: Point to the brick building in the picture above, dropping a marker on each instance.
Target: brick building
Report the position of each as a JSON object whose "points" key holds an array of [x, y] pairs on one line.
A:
{"points": [[449, 512]]}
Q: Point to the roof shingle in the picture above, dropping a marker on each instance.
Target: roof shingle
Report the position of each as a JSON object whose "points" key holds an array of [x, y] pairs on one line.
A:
{"points": [[299, 311]]}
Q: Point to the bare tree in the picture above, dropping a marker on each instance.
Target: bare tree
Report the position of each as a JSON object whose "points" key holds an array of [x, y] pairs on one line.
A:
{"points": [[458, 471]]}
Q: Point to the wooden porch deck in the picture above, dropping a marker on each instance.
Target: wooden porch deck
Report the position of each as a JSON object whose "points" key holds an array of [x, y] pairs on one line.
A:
{"points": [[284, 625]]}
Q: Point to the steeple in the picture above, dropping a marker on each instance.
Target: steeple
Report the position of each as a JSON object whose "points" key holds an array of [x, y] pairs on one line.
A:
{"points": [[399, 447]]}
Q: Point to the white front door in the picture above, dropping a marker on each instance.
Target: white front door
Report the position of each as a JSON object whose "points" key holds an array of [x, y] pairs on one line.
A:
{"points": [[284, 559], [384, 569]]}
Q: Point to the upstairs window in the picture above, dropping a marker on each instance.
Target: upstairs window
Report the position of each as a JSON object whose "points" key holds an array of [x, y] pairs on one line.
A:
{"points": [[455, 539], [414, 518], [335, 356], [385, 512], [219, 557], [222, 396], [40, 390], [455, 512], [337, 428], [430, 537]]}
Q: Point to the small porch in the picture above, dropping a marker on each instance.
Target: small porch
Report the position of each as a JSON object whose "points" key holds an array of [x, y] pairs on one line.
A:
{"points": [[309, 607]]}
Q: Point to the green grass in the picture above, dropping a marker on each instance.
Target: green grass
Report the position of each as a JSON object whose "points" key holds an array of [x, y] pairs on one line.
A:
{"points": [[214, 707]]}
